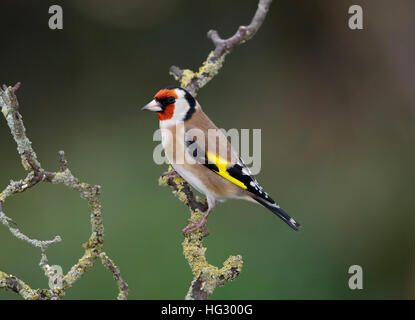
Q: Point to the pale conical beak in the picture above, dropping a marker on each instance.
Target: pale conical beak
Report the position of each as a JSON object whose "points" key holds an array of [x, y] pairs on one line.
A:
{"points": [[152, 106]]}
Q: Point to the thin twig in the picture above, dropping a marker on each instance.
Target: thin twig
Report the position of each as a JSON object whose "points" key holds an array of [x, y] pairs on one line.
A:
{"points": [[122, 285], [193, 81]]}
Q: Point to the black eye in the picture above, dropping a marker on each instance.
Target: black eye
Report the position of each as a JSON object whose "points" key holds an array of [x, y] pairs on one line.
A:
{"points": [[166, 101], [171, 100]]}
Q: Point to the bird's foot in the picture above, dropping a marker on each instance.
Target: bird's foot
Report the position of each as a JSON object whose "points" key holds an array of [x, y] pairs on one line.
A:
{"points": [[170, 174], [196, 226]]}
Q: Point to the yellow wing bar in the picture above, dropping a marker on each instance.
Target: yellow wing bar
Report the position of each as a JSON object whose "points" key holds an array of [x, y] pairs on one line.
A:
{"points": [[221, 164]]}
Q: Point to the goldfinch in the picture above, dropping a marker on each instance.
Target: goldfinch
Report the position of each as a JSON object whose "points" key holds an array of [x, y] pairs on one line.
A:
{"points": [[202, 155]]}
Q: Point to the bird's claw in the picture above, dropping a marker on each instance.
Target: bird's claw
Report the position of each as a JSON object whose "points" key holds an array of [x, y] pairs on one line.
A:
{"points": [[170, 174], [196, 226]]}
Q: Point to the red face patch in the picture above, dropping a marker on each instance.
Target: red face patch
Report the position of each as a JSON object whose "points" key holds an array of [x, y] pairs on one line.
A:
{"points": [[168, 111]]}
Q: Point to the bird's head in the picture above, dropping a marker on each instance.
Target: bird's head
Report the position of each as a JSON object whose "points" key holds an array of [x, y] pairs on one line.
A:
{"points": [[172, 103]]}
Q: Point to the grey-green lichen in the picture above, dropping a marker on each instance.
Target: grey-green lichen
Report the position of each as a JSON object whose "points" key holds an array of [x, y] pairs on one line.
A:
{"points": [[193, 81]]}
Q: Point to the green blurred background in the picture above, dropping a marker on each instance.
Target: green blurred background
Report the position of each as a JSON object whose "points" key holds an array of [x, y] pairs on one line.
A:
{"points": [[336, 109]]}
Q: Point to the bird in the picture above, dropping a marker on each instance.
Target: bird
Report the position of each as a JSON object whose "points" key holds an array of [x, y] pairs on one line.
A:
{"points": [[202, 155]]}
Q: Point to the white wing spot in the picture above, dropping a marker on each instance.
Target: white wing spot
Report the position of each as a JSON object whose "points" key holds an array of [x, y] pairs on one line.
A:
{"points": [[246, 171]]}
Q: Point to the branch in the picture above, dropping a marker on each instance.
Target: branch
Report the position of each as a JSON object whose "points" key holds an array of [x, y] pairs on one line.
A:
{"points": [[193, 81], [43, 245], [13, 284], [93, 247], [206, 276], [122, 285]]}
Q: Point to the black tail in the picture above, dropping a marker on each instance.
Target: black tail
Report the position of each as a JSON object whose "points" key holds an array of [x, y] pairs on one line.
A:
{"points": [[279, 212]]}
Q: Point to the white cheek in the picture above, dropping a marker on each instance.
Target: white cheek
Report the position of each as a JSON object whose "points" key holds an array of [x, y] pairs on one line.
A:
{"points": [[180, 110]]}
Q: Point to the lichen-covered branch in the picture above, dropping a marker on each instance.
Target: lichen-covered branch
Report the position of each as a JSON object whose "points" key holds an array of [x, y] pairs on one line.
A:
{"points": [[207, 277], [193, 81], [122, 285], [93, 247], [8, 222]]}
